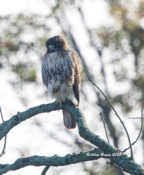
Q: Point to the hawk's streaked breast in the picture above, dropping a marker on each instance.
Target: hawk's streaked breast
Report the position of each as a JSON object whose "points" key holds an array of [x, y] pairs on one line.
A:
{"points": [[58, 73]]}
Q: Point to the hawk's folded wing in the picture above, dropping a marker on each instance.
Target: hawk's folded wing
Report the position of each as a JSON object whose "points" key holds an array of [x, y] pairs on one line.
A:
{"points": [[77, 78]]}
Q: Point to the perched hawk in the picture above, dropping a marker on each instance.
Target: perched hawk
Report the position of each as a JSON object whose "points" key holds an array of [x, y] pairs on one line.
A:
{"points": [[61, 74]]}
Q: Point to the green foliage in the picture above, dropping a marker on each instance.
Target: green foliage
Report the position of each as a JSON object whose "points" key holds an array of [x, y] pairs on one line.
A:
{"points": [[25, 73]]}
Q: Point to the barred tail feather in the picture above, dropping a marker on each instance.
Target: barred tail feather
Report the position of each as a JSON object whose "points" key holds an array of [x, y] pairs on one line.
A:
{"points": [[69, 120]]}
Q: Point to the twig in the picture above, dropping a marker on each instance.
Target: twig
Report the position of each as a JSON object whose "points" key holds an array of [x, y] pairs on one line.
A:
{"points": [[1, 114], [45, 170], [5, 138], [134, 117], [141, 128], [105, 127]]}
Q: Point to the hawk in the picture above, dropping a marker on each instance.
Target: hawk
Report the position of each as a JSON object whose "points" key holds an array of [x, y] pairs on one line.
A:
{"points": [[61, 75]]}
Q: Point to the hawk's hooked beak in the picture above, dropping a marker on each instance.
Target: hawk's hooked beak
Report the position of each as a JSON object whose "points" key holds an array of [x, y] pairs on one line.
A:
{"points": [[51, 48]]}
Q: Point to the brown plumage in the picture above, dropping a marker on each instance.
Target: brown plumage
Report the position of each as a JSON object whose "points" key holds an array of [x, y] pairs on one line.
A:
{"points": [[61, 74]]}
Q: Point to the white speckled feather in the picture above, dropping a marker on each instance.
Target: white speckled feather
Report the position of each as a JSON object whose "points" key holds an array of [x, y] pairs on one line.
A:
{"points": [[58, 75]]}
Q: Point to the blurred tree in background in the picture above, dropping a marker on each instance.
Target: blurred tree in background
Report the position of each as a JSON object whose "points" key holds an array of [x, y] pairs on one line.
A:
{"points": [[115, 60]]}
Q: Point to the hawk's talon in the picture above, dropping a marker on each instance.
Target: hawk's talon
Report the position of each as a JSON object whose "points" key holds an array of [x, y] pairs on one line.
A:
{"points": [[59, 103]]}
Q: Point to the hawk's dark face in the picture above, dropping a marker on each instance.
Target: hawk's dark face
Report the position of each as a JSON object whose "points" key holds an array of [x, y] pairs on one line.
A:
{"points": [[55, 43]]}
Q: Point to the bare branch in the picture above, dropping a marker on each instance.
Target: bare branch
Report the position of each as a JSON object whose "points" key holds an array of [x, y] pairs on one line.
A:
{"points": [[21, 116], [61, 161], [51, 161], [45, 170], [105, 127]]}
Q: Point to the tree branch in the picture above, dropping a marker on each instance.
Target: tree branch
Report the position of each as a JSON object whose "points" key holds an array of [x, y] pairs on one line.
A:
{"points": [[51, 161], [119, 160], [21, 116]]}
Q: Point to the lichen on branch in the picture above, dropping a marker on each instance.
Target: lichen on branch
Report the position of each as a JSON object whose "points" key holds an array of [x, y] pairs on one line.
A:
{"points": [[103, 149]]}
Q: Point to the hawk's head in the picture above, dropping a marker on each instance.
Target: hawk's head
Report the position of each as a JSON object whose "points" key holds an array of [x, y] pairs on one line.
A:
{"points": [[55, 43]]}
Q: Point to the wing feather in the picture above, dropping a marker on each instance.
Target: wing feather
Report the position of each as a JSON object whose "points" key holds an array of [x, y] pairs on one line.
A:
{"points": [[77, 78], [45, 74]]}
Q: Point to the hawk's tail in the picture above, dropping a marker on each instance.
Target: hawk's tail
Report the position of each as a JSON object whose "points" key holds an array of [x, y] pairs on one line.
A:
{"points": [[69, 120]]}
